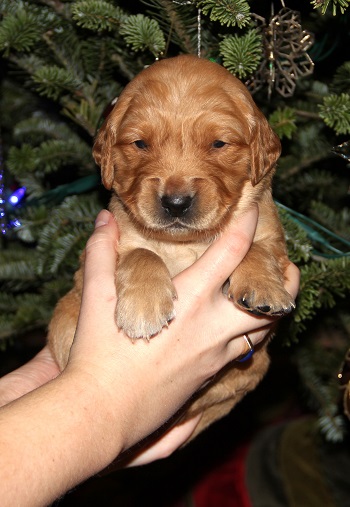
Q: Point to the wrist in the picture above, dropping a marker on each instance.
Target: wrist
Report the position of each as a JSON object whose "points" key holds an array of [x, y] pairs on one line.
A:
{"points": [[103, 431]]}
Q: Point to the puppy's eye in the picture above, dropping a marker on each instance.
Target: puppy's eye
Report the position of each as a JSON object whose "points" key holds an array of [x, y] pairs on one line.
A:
{"points": [[141, 144], [218, 144]]}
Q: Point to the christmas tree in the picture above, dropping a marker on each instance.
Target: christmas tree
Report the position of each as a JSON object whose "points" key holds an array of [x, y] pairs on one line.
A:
{"points": [[63, 63]]}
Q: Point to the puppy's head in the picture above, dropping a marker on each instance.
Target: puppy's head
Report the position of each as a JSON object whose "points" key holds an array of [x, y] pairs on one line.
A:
{"points": [[184, 147]]}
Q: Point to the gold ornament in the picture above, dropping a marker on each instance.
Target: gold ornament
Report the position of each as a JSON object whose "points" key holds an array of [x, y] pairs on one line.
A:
{"points": [[285, 53]]}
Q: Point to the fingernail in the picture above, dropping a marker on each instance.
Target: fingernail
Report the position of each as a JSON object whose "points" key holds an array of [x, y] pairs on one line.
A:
{"points": [[102, 218]]}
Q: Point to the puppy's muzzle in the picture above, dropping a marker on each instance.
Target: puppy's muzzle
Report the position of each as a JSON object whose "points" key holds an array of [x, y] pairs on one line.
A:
{"points": [[177, 205]]}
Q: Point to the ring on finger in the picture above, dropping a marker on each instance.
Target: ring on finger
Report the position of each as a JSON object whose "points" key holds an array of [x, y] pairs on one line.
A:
{"points": [[248, 354]]}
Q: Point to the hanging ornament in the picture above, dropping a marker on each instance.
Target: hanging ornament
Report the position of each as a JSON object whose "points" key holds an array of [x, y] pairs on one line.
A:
{"points": [[199, 23], [285, 57], [343, 150]]}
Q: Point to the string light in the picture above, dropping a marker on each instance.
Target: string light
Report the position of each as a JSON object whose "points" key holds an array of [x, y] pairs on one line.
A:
{"points": [[2, 198], [17, 196], [14, 199]]}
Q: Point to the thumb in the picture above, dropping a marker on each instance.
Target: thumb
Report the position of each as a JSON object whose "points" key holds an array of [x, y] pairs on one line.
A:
{"points": [[226, 252], [101, 258]]}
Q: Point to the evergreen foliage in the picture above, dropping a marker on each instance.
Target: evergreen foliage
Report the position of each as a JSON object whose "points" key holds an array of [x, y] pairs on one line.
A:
{"points": [[227, 12], [64, 62], [241, 54]]}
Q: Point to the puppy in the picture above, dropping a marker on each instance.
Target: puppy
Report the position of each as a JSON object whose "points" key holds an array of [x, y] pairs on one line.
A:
{"points": [[184, 150]]}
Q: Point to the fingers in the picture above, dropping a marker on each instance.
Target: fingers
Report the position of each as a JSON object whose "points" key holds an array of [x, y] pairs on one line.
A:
{"points": [[101, 257], [167, 443], [226, 253], [292, 280]]}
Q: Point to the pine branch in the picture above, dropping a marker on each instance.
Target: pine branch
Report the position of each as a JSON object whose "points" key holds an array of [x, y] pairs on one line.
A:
{"points": [[48, 157], [176, 21], [321, 283], [323, 5], [241, 55], [298, 244], [36, 129], [341, 79], [33, 219], [24, 312], [17, 268], [97, 15], [143, 33], [310, 146], [283, 122], [227, 12], [67, 228], [337, 221], [52, 81], [300, 165], [335, 111], [19, 31]]}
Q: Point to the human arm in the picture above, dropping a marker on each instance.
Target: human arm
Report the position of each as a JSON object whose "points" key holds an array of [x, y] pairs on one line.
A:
{"points": [[73, 426]]}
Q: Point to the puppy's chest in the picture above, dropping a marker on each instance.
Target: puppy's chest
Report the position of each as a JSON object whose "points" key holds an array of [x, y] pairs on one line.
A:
{"points": [[176, 256], [179, 257]]}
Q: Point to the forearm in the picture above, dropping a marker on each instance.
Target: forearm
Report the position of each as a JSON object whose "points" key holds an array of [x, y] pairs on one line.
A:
{"points": [[52, 439], [40, 369]]}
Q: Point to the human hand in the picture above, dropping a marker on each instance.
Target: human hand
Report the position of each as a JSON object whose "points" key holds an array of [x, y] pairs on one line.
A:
{"points": [[156, 378], [173, 438]]}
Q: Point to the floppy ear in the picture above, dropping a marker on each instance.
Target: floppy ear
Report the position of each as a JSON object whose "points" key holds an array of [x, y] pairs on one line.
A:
{"points": [[107, 137], [102, 153], [265, 148]]}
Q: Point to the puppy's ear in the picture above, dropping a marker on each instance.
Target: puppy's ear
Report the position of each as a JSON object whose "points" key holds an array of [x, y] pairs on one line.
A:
{"points": [[102, 153], [265, 149]]}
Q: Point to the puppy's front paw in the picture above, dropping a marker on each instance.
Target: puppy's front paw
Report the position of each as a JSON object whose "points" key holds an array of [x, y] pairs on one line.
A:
{"points": [[145, 302], [142, 313], [262, 298], [279, 304]]}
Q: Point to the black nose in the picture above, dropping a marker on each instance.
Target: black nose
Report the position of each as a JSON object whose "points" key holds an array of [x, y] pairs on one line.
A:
{"points": [[176, 205]]}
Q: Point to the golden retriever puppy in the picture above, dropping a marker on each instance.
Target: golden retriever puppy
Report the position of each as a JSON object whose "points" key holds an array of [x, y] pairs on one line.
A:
{"points": [[184, 150]]}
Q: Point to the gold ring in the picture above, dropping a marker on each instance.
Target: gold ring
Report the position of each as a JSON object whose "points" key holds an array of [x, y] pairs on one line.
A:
{"points": [[247, 355]]}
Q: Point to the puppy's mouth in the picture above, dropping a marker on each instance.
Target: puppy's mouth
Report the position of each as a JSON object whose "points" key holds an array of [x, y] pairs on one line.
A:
{"points": [[176, 226], [174, 214]]}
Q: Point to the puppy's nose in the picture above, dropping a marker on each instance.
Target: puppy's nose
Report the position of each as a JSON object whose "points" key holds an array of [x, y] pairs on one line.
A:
{"points": [[176, 205]]}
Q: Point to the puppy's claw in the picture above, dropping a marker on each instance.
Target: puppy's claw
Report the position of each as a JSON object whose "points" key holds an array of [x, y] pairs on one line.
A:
{"points": [[277, 309], [264, 309], [242, 302], [143, 326]]}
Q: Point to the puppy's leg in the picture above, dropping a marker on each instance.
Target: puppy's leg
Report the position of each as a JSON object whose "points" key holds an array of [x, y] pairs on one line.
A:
{"points": [[257, 285], [145, 294]]}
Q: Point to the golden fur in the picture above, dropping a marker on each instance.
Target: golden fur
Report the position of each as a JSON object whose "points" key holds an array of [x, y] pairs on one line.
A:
{"points": [[184, 150]]}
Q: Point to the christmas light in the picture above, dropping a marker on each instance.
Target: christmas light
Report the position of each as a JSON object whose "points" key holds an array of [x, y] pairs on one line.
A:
{"points": [[2, 200], [16, 197], [14, 223]]}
